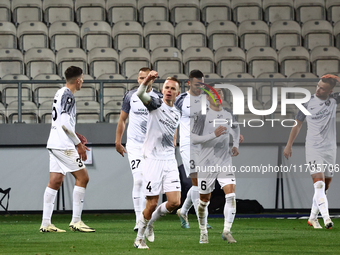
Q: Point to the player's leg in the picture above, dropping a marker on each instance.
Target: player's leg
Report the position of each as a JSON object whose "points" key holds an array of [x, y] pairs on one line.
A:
{"points": [[188, 202], [151, 204], [228, 185], [206, 184], [56, 179], [50, 194], [138, 197]]}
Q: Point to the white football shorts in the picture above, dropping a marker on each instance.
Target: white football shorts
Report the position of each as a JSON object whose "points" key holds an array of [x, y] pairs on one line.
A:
{"points": [[321, 161], [136, 162], [65, 161], [160, 176], [189, 159]]}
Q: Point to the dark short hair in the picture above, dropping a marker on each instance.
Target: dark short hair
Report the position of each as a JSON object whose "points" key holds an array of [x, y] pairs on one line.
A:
{"points": [[145, 69], [330, 79], [196, 74], [72, 72]]}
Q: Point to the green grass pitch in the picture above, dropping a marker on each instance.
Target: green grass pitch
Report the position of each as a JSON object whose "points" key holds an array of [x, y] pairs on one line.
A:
{"points": [[19, 234]]}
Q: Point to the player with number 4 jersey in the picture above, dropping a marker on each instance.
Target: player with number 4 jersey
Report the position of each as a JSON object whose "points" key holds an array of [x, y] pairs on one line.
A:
{"points": [[67, 151]]}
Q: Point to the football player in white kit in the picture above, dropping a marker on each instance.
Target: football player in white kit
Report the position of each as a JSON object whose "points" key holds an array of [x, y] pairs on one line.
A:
{"points": [[134, 109], [190, 104], [160, 172], [320, 144], [214, 161], [64, 157]]}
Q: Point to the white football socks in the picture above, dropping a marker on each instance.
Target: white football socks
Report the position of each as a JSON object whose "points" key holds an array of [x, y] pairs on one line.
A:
{"points": [[138, 196], [78, 203], [202, 215], [229, 211], [321, 199], [49, 198], [187, 203]]}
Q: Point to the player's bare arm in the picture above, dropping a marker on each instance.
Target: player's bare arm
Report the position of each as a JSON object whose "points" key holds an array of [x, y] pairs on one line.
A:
{"points": [[141, 92], [119, 132], [241, 139], [82, 138], [287, 152]]}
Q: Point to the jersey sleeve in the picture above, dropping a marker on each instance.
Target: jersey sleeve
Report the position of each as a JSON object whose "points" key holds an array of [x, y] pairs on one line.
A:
{"points": [[67, 102], [300, 115], [179, 101], [154, 103], [126, 102], [336, 96]]}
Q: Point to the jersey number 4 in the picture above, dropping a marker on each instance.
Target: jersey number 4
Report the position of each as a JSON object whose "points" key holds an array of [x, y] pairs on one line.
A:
{"points": [[149, 186]]}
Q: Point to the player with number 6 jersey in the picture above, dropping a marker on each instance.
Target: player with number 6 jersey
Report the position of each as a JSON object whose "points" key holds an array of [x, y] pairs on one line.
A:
{"points": [[67, 150]]}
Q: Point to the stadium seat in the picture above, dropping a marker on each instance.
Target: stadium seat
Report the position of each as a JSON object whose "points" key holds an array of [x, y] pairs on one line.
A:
{"points": [[132, 59], [246, 10], [64, 34], [253, 33], [87, 111], [221, 34], [8, 35], [294, 59], [230, 60], [264, 88], [112, 91], [127, 34], [28, 10], [285, 33], [309, 9], [95, 34], [39, 61], [45, 111], [61, 10], [153, 10], [317, 33], [45, 91], [166, 60], [10, 91], [29, 112], [190, 33], [121, 10], [200, 58], [5, 11], [89, 10], [3, 116], [102, 60], [112, 111], [32, 34], [325, 60], [261, 60], [306, 85], [333, 11], [337, 34], [184, 10], [278, 10], [242, 85], [159, 34], [71, 56], [11, 62], [88, 90], [211, 76], [215, 10]]}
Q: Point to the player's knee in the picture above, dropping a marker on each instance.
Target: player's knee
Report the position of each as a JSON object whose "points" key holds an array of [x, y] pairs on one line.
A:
{"points": [[174, 204], [151, 205], [319, 185]]}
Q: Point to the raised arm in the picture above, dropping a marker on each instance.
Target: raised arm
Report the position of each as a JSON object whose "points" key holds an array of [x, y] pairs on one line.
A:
{"points": [[141, 92]]}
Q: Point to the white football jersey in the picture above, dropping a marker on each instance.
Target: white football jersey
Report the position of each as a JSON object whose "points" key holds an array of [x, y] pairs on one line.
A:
{"points": [[190, 106], [138, 118], [216, 150], [162, 123], [321, 128], [63, 103]]}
